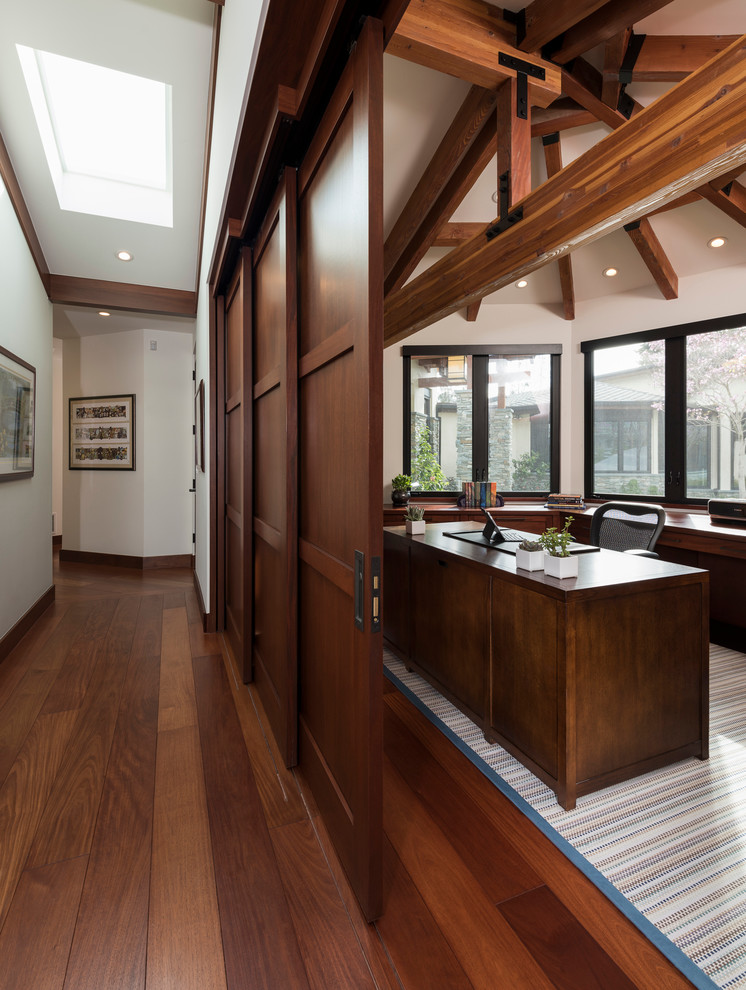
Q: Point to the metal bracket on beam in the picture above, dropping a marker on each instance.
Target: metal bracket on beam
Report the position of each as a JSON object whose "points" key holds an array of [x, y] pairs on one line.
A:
{"points": [[504, 223], [625, 104], [523, 70], [630, 58], [518, 18]]}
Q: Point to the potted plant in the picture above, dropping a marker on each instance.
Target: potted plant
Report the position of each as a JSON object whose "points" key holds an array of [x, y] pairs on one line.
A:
{"points": [[557, 559], [530, 555], [400, 489], [414, 519]]}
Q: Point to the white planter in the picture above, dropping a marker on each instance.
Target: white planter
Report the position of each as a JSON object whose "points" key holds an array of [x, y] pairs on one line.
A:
{"points": [[415, 526], [529, 560], [560, 567]]}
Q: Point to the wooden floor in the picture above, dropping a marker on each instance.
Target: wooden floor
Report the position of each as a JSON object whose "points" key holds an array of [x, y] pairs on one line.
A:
{"points": [[149, 837]]}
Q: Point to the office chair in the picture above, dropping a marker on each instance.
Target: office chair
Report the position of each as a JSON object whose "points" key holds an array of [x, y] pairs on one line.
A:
{"points": [[630, 527]]}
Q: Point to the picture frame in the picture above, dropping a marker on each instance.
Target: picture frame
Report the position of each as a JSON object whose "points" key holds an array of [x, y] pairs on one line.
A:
{"points": [[102, 433], [17, 417], [199, 426]]}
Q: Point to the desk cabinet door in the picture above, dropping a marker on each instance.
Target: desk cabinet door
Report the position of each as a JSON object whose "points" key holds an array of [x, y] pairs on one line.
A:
{"points": [[450, 625]]}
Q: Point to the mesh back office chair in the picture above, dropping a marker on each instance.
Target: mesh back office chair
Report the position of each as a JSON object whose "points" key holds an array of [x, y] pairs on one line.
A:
{"points": [[633, 527]]}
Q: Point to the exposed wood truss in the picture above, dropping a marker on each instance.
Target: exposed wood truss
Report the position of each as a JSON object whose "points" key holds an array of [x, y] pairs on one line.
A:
{"points": [[629, 173], [491, 47]]}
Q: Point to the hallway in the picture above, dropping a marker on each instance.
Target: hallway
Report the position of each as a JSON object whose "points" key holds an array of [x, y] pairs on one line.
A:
{"points": [[152, 841]]}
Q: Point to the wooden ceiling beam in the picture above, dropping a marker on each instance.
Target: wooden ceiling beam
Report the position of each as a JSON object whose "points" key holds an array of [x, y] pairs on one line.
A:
{"points": [[731, 200], [553, 160], [671, 58], [651, 251], [598, 27], [561, 115], [466, 38], [513, 148], [583, 83], [626, 175], [443, 181], [614, 51], [548, 19], [452, 234]]}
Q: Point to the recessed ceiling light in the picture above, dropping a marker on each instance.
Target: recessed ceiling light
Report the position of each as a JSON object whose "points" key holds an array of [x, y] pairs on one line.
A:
{"points": [[521, 284], [716, 242], [124, 256], [610, 272], [102, 312]]}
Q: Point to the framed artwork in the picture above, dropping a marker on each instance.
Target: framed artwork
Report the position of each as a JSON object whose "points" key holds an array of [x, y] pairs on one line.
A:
{"points": [[102, 433], [17, 403], [199, 426]]}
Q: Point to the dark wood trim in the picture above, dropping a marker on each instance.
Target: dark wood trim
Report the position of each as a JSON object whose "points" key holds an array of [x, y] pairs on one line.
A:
{"points": [[72, 291], [8, 175], [217, 466], [207, 617], [216, 23], [215, 457], [16, 633], [126, 560], [57, 540]]}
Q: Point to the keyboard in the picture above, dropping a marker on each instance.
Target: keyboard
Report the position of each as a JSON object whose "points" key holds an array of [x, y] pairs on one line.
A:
{"points": [[511, 536]]}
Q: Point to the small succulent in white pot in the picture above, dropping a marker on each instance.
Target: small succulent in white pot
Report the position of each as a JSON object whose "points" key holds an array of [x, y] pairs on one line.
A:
{"points": [[529, 555], [414, 519]]}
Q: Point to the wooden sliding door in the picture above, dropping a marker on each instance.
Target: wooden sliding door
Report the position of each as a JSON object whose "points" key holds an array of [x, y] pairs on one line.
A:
{"points": [[275, 449], [340, 468], [237, 478]]}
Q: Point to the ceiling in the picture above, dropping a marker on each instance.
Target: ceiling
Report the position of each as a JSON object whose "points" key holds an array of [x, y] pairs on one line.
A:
{"points": [[164, 40], [420, 104], [171, 40]]}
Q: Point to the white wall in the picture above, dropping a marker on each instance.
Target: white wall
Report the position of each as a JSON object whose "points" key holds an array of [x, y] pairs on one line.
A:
{"points": [[240, 24], [146, 512], [26, 504]]}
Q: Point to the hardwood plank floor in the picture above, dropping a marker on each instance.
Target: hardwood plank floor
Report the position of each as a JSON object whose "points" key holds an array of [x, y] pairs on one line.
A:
{"points": [[152, 838]]}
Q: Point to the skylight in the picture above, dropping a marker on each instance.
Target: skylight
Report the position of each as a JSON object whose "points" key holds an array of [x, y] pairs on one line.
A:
{"points": [[106, 136]]}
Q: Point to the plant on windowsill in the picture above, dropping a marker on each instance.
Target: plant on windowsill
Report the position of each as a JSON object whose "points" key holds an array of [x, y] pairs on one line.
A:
{"points": [[400, 489], [558, 561], [414, 519], [529, 555]]}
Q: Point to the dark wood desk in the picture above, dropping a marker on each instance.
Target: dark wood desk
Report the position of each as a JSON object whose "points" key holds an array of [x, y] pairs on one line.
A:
{"points": [[587, 681]]}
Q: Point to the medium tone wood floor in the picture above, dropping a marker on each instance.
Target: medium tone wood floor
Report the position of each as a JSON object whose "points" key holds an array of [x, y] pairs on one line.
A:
{"points": [[150, 839]]}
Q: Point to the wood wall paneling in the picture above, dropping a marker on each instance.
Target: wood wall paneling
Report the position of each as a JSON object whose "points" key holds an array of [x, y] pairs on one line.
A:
{"points": [[340, 439]]}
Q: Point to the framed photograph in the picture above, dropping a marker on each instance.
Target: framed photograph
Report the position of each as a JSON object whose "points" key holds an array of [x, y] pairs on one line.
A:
{"points": [[199, 426], [102, 433], [17, 403]]}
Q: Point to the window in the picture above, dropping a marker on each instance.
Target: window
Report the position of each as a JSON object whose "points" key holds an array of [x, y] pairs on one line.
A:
{"points": [[666, 413], [481, 413]]}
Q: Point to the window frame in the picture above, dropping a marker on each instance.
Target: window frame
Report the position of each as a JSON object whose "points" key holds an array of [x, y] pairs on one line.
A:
{"points": [[674, 403], [481, 354]]}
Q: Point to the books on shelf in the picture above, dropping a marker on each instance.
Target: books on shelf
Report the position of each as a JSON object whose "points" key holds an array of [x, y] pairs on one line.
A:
{"points": [[481, 494], [564, 502]]}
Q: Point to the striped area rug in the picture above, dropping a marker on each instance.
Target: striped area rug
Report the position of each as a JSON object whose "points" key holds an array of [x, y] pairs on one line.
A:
{"points": [[668, 847]]}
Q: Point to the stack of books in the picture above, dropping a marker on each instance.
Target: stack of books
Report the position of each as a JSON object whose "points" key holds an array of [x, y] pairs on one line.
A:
{"points": [[564, 502], [481, 494]]}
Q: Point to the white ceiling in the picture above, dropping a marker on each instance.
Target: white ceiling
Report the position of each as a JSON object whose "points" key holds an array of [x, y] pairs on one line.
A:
{"points": [[166, 40], [420, 104], [170, 40]]}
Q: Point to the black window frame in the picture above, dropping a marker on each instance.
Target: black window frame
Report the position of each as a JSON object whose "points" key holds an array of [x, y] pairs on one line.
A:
{"points": [[675, 429], [481, 354]]}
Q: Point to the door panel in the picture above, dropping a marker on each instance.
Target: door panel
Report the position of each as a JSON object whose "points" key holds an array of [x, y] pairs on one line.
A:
{"points": [[237, 485], [275, 390], [340, 480]]}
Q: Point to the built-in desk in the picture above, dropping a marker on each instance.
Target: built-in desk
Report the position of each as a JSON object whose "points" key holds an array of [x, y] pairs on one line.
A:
{"points": [[587, 681]]}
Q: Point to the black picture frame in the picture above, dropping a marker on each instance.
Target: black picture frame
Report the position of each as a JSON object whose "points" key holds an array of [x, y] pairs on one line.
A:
{"points": [[17, 417]]}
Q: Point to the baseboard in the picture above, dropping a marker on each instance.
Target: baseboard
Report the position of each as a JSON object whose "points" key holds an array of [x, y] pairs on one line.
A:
{"points": [[19, 630], [125, 560], [208, 618]]}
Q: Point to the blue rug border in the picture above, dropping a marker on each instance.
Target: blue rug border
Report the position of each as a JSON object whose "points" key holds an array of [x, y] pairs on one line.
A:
{"points": [[670, 950]]}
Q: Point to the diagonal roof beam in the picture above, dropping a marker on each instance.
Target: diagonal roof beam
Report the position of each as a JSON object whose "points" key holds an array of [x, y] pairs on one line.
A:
{"points": [[731, 199], [461, 157], [626, 175], [471, 40], [584, 84], [548, 19], [553, 159], [651, 251], [613, 17], [561, 115]]}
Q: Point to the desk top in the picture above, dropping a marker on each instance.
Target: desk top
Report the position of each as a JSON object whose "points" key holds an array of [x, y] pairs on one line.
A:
{"points": [[599, 574]]}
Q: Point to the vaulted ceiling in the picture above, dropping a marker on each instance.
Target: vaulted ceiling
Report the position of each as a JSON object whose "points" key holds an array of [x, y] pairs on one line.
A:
{"points": [[627, 150], [453, 128]]}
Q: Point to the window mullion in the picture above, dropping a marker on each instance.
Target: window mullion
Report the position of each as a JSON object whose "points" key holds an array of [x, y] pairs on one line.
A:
{"points": [[675, 429]]}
